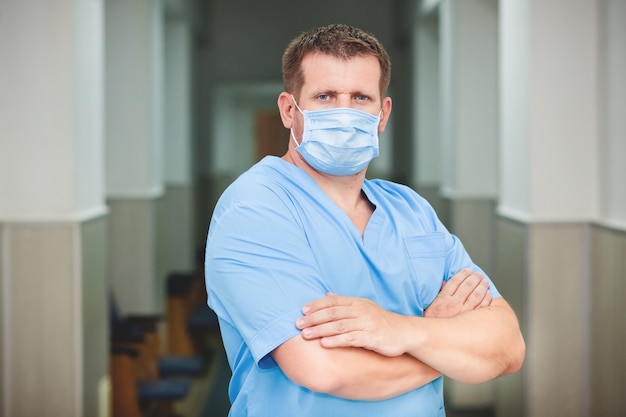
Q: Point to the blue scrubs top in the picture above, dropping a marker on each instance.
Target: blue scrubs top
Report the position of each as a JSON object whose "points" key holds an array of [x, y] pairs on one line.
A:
{"points": [[276, 242]]}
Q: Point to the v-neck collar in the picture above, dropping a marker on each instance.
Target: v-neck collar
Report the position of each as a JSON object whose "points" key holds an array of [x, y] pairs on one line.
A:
{"points": [[376, 220]]}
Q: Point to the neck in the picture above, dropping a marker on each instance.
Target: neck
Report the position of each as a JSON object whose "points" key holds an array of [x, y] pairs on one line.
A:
{"points": [[345, 191]]}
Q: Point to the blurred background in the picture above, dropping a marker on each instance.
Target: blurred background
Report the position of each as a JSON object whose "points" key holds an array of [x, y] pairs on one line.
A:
{"points": [[122, 121]]}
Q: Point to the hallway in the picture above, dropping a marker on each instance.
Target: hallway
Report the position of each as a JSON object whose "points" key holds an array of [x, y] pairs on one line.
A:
{"points": [[121, 123]]}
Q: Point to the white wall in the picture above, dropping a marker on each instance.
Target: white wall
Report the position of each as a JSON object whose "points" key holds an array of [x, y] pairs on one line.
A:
{"points": [[549, 130], [613, 105], [177, 115], [51, 167], [134, 120], [563, 110], [89, 105], [427, 153], [514, 28], [469, 74]]}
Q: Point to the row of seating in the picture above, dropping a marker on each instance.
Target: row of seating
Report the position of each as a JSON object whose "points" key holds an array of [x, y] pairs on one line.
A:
{"points": [[149, 377]]}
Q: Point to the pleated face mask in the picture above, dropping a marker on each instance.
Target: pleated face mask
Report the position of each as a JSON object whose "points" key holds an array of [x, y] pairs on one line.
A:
{"points": [[339, 141]]}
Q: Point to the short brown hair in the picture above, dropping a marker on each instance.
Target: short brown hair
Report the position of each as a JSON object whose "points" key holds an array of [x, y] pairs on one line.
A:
{"points": [[338, 40]]}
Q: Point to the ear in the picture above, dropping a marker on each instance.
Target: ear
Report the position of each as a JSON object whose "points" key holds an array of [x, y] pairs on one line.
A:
{"points": [[386, 112], [285, 107]]}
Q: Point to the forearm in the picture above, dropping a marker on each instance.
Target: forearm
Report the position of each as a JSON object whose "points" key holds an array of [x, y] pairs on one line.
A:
{"points": [[367, 375], [464, 334], [493, 347], [352, 373]]}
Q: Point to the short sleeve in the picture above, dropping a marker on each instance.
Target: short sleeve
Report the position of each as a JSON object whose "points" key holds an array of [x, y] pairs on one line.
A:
{"points": [[260, 271]]}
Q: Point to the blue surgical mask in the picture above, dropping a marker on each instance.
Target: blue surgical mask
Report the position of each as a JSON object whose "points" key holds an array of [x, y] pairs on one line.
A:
{"points": [[339, 141]]}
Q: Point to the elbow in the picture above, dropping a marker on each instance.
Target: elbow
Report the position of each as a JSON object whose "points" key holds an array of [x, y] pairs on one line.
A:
{"points": [[504, 364], [326, 385], [323, 381], [512, 360], [516, 359], [310, 366]]}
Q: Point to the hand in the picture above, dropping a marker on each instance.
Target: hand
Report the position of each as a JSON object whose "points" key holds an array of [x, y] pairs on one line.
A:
{"points": [[465, 291], [352, 322]]}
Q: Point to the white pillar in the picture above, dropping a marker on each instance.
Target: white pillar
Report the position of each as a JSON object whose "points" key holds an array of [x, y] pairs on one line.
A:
{"points": [[134, 98], [427, 149], [52, 208], [427, 152], [613, 102], [51, 112], [134, 135], [178, 101], [608, 266], [549, 100], [548, 183], [469, 98], [468, 35], [179, 246]]}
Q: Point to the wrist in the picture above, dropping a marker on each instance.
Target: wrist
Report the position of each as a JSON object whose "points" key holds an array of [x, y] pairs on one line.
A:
{"points": [[411, 334], [404, 328]]}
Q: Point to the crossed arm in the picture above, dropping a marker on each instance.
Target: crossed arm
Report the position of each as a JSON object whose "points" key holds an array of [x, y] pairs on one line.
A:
{"points": [[352, 348]]}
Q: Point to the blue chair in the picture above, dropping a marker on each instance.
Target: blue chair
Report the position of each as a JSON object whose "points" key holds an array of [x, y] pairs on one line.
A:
{"points": [[135, 394], [146, 326], [190, 321]]}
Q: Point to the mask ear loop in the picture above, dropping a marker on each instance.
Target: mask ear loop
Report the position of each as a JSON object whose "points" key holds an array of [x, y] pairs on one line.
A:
{"points": [[300, 110], [380, 118], [293, 136], [296, 103]]}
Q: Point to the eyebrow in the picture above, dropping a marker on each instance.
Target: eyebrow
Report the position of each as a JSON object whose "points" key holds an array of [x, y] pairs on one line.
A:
{"points": [[335, 93]]}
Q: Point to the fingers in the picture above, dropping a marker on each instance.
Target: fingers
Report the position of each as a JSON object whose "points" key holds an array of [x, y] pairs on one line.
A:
{"points": [[450, 287], [338, 321], [330, 329], [335, 318], [330, 300], [327, 316], [465, 291], [486, 300], [470, 287], [330, 314], [478, 294]]}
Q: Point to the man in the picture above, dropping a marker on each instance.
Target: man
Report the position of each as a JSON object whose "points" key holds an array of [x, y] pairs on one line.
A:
{"points": [[338, 295]]}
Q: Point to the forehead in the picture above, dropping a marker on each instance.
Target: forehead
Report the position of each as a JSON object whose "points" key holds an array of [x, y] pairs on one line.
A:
{"points": [[326, 72]]}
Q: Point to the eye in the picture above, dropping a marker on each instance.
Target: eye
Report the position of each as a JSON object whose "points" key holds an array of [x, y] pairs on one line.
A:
{"points": [[361, 98], [323, 97]]}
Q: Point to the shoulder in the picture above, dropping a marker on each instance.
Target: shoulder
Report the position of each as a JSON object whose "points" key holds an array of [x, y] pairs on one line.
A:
{"points": [[264, 181], [265, 191]]}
